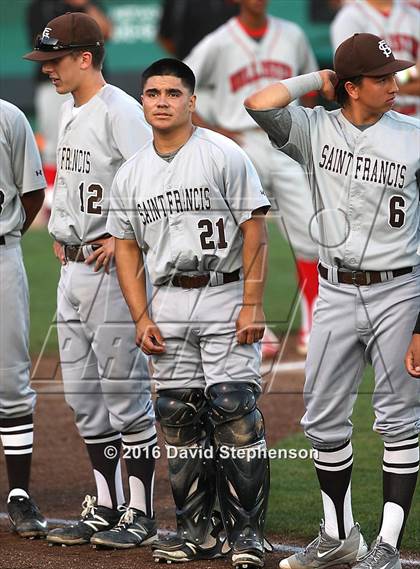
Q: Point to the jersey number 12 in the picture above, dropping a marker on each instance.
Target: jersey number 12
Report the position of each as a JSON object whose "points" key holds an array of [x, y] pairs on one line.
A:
{"points": [[94, 196]]}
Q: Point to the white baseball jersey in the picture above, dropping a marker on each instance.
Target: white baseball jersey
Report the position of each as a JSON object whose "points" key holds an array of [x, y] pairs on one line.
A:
{"points": [[20, 167], [234, 65], [365, 186], [88, 158], [20, 173], [185, 214], [401, 30]]}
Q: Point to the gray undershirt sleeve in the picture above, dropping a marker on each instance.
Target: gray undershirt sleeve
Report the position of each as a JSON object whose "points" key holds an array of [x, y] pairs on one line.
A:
{"points": [[277, 123]]}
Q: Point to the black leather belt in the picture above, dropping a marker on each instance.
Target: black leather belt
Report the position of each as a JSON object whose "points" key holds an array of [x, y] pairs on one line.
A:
{"points": [[75, 253], [198, 281], [2, 240], [364, 278]]}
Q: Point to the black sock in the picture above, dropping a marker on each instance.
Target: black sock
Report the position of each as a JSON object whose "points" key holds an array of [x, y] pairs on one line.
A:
{"points": [[400, 471], [333, 468], [139, 456], [104, 454], [17, 436]]}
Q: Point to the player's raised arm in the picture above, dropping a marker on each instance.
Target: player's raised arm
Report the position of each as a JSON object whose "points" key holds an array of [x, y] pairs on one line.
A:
{"points": [[281, 94]]}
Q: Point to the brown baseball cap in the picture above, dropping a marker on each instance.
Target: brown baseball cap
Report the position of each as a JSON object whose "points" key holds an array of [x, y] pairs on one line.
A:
{"points": [[64, 34], [366, 54]]}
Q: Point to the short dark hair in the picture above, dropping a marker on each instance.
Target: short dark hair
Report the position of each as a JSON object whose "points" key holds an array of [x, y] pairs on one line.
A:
{"points": [[169, 66], [98, 55], [341, 95]]}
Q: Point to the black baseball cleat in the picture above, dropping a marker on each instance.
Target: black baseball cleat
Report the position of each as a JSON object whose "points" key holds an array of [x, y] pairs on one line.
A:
{"points": [[133, 530], [25, 517], [176, 549], [94, 519], [248, 551]]}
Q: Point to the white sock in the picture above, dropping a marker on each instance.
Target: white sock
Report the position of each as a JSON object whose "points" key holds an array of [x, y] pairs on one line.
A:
{"points": [[333, 468], [392, 522], [400, 470]]}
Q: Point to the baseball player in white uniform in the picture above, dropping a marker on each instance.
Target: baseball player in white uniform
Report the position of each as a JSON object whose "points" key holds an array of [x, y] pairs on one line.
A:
{"points": [[105, 376], [22, 185], [249, 52], [192, 202], [362, 162], [399, 24]]}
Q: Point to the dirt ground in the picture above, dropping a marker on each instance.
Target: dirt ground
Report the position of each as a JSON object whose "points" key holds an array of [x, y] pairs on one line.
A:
{"points": [[61, 474]]}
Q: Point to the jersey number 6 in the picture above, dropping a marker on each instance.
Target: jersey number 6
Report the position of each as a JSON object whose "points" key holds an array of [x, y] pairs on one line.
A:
{"points": [[207, 234], [396, 211], [95, 193]]}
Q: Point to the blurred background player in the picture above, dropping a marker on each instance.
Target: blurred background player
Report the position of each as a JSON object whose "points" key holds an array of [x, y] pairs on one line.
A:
{"points": [[22, 186], [184, 23], [247, 53], [47, 101], [399, 24]]}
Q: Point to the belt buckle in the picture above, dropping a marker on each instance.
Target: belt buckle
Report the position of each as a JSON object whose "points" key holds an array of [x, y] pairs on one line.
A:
{"points": [[354, 275]]}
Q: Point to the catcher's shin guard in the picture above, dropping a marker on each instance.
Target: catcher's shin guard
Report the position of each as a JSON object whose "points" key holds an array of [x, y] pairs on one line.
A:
{"points": [[243, 477], [191, 467]]}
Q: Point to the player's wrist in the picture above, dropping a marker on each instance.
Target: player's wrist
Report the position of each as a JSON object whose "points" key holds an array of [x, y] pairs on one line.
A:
{"points": [[143, 319], [417, 326], [303, 84]]}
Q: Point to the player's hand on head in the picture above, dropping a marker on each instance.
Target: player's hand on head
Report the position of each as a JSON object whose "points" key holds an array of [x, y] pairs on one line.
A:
{"points": [[250, 324], [148, 337], [412, 357], [329, 82], [103, 256], [59, 252]]}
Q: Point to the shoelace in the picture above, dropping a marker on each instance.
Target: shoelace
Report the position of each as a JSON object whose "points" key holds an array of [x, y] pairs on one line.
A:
{"points": [[314, 545], [88, 506], [372, 556], [126, 519]]}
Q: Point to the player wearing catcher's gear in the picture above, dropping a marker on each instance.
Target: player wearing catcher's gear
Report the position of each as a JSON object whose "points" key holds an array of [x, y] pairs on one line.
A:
{"points": [[362, 161], [191, 201], [250, 52], [22, 185], [105, 377], [399, 24]]}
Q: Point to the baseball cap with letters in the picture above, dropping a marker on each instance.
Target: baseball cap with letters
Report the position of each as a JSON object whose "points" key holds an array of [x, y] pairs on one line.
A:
{"points": [[64, 34], [366, 54]]}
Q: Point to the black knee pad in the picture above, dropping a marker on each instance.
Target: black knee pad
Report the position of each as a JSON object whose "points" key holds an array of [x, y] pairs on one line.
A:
{"points": [[234, 414], [180, 413]]}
